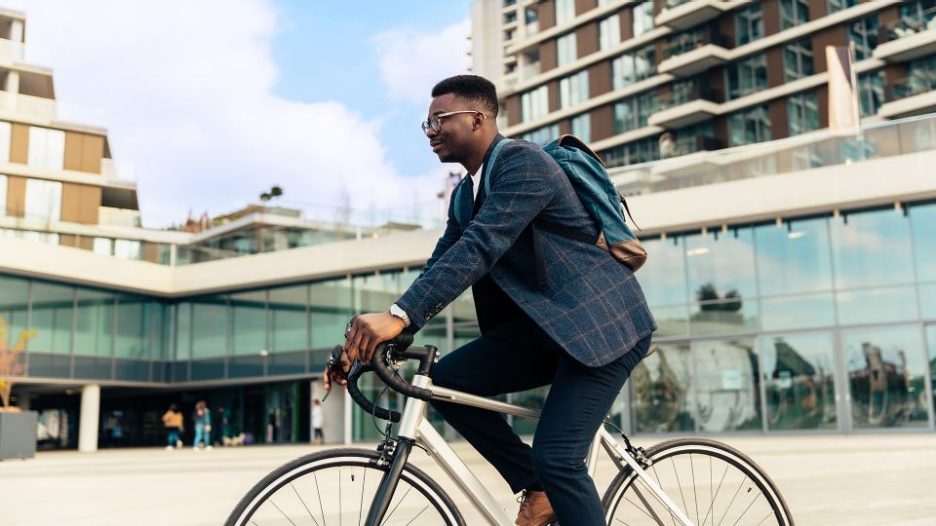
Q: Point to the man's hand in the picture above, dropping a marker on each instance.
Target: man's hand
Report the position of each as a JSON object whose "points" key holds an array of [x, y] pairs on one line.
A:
{"points": [[368, 331], [332, 376]]}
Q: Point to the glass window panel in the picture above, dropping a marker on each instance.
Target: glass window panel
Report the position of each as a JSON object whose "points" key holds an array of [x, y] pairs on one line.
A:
{"points": [[799, 381], [567, 53], [798, 59], [289, 319], [872, 248], [886, 375], [128, 249], [928, 301], [838, 5], [330, 310], [249, 323], [375, 293], [209, 327], [877, 305], [671, 321], [749, 24], [183, 349], [51, 318], [803, 113], [931, 357], [14, 306], [721, 317], [94, 323], [721, 264], [643, 18], [565, 11], [104, 246], [664, 282], [663, 393], [923, 223], [749, 126], [793, 13], [131, 327], [43, 199], [581, 127], [871, 92], [728, 389], [797, 312], [573, 89], [864, 33], [747, 76], [609, 32], [46, 148], [793, 257]]}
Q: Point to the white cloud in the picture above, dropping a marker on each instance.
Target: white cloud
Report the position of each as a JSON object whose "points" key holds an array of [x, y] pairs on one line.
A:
{"points": [[185, 90], [412, 61]]}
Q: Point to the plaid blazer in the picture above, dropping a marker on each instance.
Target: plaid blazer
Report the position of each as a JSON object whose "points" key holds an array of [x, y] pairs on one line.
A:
{"points": [[589, 303]]}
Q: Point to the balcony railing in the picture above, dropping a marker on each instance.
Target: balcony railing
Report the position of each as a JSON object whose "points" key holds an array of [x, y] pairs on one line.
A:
{"points": [[685, 93], [686, 42]]}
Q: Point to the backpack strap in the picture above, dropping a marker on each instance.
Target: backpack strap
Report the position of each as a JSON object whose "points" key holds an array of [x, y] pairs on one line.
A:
{"points": [[485, 179]]}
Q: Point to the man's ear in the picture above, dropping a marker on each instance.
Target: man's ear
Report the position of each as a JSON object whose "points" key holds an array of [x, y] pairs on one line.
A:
{"points": [[478, 121]]}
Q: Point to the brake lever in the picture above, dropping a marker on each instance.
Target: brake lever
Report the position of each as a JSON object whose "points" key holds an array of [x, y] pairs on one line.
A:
{"points": [[333, 365]]}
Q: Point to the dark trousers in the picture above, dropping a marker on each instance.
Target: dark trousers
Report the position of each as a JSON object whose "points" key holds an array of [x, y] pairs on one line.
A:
{"points": [[517, 356]]}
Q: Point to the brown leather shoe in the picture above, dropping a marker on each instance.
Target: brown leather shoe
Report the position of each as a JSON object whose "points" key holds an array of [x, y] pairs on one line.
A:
{"points": [[535, 510]]}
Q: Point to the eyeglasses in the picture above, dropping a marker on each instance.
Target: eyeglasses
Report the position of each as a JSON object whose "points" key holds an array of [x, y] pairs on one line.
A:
{"points": [[435, 122]]}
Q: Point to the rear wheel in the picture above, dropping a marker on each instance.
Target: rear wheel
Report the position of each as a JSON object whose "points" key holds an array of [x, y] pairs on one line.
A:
{"points": [[337, 487], [713, 483]]}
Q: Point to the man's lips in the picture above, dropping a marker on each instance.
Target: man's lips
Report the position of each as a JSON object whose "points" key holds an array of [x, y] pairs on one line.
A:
{"points": [[435, 144]]}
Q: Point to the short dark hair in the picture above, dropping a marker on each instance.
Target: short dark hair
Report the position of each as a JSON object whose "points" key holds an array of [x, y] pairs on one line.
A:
{"points": [[471, 87]]}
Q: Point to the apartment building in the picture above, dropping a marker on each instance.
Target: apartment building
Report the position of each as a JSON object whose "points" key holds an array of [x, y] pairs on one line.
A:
{"points": [[707, 74]]}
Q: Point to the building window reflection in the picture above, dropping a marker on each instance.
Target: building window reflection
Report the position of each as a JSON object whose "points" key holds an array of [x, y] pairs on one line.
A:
{"points": [[728, 383], [663, 393], [799, 381]]}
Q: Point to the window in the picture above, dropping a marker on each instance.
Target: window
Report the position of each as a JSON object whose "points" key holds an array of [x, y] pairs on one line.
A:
{"points": [[746, 76], [609, 32], [534, 104], [565, 11], [838, 5], [631, 114], [567, 52], [542, 135], [642, 151], [643, 18], [573, 90], [3, 195], [128, 249], [803, 112], [104, 246], [43, 199], [695, 138], [632, 67], [749, 24], [5, 128], [749, 126], [46, 148], [581, 127], [864, 34], [871, 92], [793, 13], [798, 60]]}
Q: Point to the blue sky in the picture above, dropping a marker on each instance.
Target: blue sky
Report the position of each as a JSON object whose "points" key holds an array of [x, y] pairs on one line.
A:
{"points": [[327, 53], [209, 103]]}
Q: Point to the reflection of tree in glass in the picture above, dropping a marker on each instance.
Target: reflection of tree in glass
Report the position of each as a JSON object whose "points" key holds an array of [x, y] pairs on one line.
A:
{"points": [[795, 392], [882, 391]]}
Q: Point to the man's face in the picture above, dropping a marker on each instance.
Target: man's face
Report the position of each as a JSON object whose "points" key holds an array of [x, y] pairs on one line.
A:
{"points": [[453, 141]]}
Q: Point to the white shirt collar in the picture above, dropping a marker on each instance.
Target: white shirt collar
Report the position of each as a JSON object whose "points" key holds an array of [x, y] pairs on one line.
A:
{"points": [[476, 180]]}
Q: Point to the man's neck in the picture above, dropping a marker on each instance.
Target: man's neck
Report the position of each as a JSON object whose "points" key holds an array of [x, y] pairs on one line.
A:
{"points": [[472, 164]]}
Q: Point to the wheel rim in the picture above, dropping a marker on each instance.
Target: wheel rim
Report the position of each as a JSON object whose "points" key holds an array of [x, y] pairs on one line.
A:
{"points": [[339, 491], [711, 486]]}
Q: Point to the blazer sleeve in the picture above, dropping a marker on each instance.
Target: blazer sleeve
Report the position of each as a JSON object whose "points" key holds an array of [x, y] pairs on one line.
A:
{"points": [[518, 193]]}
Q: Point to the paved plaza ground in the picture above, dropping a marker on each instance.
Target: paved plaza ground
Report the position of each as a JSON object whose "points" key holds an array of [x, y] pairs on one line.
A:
{"points": [[830, 479]]}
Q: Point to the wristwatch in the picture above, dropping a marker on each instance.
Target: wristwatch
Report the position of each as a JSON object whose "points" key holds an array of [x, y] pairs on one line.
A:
{"points": [[395, 310]]}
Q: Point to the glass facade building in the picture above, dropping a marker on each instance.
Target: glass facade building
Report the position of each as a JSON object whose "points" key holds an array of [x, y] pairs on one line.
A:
{"points": [[826, 322]]}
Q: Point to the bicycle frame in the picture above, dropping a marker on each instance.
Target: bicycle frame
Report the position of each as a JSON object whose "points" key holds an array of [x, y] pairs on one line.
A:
{"points": [[415, 428]]}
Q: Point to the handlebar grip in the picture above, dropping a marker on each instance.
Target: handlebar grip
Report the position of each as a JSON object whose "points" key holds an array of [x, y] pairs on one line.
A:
{"points": [[370, 408], [382, 370]]}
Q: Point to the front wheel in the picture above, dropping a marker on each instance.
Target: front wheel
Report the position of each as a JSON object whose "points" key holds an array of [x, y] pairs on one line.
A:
{"points": [[711, 482], [337, 487]]}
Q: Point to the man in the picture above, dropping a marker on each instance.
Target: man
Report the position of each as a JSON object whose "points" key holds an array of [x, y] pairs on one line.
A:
{"points": [[582, 327]]}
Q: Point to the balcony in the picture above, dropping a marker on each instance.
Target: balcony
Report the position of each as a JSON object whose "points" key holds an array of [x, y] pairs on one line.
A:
{"points": [[35, 106], [908, 37], [686, 107], [10, 51], [913, 95], [683, 14], [691, 53]]}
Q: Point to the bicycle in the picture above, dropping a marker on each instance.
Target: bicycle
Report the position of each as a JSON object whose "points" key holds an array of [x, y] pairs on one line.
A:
{"points": [[381, 487]]}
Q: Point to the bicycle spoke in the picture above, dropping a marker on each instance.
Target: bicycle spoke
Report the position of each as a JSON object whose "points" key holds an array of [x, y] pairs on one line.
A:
{"points": [[679, 485], [319, 492], [303, 503], [711, 485], [732, 500], [769, 513], [282, 512], [746, 509], [712, 509], [363, 487], [386, 520], [417, 515], [695, 491], [659, 482], [653, 517]]}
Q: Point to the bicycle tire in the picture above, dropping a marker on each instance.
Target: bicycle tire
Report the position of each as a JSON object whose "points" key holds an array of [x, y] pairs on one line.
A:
{"points": [[263, 492], [624, 485]]}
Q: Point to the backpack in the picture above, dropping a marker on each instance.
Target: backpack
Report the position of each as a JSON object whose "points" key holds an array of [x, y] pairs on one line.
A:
{"points": [[595, 190]]}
